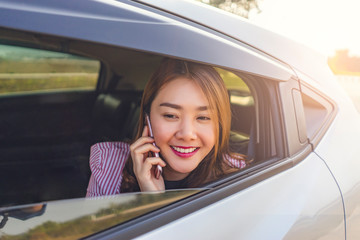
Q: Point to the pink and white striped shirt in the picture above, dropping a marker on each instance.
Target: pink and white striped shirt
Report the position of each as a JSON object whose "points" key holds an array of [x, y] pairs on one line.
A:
{"points": [[107, 161]]}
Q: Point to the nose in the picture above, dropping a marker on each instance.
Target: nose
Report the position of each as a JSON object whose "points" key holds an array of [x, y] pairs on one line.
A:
{"points": [[186, 130]]}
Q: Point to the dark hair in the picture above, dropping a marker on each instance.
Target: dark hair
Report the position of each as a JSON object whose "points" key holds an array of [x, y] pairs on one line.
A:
{"points": [[208, 79]]}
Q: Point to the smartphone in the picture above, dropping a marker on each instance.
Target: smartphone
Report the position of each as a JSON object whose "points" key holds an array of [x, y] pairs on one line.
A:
{"points": [[158, 169]]}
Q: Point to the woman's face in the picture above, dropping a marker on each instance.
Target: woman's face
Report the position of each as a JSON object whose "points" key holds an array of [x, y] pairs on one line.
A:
{"points": [[183, 127]]}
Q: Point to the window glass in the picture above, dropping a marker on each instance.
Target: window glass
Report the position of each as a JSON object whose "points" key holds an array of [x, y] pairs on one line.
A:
{"points": [[32, 70], [242, 109], [318, 112], [238, 90], [79, 218]]}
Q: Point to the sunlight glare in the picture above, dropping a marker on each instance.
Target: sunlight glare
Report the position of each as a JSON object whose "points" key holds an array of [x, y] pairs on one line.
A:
{"points": [[325, 25]]}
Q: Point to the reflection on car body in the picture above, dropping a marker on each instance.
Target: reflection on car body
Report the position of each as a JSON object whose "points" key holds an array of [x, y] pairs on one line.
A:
{"points": [[86, 216], [72, 74]]}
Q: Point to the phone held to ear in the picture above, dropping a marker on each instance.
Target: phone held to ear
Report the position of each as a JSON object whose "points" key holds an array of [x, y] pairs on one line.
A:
{"points": [[158, 169]]}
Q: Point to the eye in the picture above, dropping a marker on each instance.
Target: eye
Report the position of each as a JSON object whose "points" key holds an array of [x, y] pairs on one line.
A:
{"points": [[170, 116], [204, 118]]}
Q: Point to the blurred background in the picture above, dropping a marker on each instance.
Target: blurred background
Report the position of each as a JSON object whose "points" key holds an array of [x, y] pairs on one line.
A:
{"points": [[327, 26]]}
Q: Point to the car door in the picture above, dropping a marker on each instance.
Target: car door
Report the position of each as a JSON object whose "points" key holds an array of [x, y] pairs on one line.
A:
{"points": [[285, 206]]}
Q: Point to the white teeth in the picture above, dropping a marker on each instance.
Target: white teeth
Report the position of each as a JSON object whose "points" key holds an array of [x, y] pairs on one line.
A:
{"points": [[184, 150]]}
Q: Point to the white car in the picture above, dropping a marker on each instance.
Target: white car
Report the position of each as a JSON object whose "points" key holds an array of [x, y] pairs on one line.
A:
{"points": [[72, 74]]}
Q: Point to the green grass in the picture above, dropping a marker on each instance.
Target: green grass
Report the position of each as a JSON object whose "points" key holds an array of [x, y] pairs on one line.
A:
{"points": [[13, 85], [48, 66]]}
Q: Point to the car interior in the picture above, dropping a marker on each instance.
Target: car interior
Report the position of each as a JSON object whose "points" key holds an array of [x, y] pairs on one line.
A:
{"points": [[46, 135]]}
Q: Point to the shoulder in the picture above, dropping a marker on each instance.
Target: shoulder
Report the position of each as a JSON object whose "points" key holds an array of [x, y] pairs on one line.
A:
{"points": [[104, 153], [107, 161]]}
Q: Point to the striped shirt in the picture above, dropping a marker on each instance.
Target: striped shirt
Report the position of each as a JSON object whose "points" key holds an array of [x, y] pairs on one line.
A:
{"points": [[107, 161]]}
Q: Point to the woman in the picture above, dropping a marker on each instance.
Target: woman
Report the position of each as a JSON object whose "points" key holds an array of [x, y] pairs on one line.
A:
{"points": [[189, 110]]}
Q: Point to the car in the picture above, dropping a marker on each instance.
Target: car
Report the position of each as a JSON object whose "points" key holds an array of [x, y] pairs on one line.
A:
{"points": [[72, 74]]}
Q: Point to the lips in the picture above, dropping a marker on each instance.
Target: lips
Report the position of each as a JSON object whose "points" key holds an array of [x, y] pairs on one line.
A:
{"points": [[184, 152]]}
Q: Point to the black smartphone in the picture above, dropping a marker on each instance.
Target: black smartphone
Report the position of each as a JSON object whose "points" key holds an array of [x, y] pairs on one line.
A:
{"points": [[158, 169]]}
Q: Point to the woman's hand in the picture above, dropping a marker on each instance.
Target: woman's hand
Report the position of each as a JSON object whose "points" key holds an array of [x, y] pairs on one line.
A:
{"points": [[144, 164]]}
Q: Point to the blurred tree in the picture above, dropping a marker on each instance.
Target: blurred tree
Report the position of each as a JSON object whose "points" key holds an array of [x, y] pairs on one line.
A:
{"points": [[342, 63], [239, 7]]}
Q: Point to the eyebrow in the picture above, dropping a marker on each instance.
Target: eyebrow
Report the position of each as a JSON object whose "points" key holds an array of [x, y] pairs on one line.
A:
{"points": [[175, 106]]}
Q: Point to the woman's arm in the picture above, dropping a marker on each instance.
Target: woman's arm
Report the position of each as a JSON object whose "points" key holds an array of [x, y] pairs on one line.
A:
{"points": [[107, 161]]}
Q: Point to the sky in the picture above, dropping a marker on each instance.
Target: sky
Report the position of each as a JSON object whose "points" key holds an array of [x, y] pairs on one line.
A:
{"points": [[324, 25]]}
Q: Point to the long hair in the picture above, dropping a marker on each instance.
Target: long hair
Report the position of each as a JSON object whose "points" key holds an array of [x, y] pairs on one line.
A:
{"points": [[213, 87]]}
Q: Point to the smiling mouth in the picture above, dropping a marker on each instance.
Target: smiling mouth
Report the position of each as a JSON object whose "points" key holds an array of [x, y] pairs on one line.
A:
{"points": [[184, 150]]}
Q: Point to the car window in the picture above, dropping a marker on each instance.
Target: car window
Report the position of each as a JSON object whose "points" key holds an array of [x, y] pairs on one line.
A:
{"points": [[24, 69], [318, 112], [46, 111], [48, 127]]}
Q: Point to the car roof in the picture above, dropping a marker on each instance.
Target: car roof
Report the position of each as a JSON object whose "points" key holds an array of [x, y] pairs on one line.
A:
{"points": [[111, 18], [280, 47], [126, 23]]}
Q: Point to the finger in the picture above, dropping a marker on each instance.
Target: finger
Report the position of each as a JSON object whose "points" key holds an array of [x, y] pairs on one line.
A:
{"points": [[139, 154], [141, 141], [146, 170], [156, 161], [145, 148]]}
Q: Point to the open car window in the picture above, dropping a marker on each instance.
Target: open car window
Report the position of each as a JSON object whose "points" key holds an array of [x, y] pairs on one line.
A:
{"points": [[51, 123], [56, 104]]}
